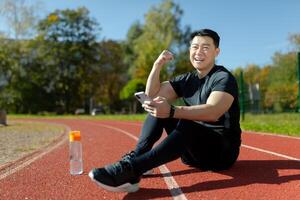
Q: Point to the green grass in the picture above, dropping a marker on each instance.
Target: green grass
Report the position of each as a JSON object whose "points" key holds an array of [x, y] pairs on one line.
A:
{"points": [[283, 123]]}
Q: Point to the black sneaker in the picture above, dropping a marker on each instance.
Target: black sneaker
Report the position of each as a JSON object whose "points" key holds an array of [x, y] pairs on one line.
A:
{"points": [[130, 155], [118, 177]]}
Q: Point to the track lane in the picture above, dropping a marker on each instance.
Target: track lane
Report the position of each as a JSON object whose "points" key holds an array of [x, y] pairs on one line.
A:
{"points": [[260, 173], [256, 175], [279, 144], [172, 185], [49, 178]]}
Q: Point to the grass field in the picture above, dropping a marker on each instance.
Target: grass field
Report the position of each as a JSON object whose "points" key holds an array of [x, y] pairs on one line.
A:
{"points": [[283, 123]]}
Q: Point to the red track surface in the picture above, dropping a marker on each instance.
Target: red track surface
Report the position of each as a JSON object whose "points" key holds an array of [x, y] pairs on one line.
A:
{"points": [[258, 174]]}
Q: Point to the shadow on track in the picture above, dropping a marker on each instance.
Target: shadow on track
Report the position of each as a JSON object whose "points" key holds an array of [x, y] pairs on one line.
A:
{"points": [[244, 172]]}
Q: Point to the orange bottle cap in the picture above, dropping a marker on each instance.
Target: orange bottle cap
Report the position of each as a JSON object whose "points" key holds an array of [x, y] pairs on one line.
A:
{"points": [[74, 136]]}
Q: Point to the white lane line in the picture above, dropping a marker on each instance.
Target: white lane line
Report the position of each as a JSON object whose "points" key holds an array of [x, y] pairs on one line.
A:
{"points": [[130, 123], [272, 134], [174, 188], [244, 132], [270, 152], [259, 149], [40, 155]]}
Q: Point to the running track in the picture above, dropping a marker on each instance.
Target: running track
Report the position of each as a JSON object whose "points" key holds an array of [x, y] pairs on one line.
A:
{"points": [[268, 168]]}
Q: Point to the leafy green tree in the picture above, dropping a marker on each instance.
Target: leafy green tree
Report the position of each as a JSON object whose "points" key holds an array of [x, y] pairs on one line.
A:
{"points": [[9, 71], [278, 81], [182, 61], [134, 32], [282, 91], [127, 93], [22, 92], [160, 31], [109, 83], [37, 94], [20, 18], [251, 73], [263, 85], [16, 82], [281, 95], [68, 53], [144, 43]]}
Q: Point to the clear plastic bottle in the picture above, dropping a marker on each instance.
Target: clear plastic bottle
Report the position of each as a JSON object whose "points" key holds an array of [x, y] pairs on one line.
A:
{"points": [[76, 164]]}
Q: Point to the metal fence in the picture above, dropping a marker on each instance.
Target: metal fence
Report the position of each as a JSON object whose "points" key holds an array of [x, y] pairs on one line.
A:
{"points": [[251, 99]]}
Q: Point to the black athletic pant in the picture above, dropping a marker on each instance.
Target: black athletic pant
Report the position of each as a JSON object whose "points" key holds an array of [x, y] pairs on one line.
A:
{"points": [[196, 144]]}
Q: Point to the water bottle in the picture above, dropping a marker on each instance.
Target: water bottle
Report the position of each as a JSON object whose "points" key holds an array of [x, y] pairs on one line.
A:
{"points": [[76, 165]]}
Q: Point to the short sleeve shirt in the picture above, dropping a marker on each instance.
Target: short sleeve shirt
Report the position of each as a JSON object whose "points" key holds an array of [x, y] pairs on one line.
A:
{"points": [[195, 91]]}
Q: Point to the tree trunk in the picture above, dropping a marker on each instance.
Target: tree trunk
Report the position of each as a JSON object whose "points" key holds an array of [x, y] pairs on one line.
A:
{"points": [[3, 117]]}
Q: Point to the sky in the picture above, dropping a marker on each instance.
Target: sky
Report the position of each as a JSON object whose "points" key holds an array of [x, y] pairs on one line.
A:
{"points": [[251, 31]]}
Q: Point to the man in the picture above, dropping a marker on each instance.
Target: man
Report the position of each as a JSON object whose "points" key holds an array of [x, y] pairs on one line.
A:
{"points": [[205, 133]]}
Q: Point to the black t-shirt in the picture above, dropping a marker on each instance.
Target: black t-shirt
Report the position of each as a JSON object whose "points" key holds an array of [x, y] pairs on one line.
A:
{"points": [[195, 91]]}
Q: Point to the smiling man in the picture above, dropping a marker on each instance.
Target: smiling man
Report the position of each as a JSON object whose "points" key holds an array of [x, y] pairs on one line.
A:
{"points": [[205, 133]]}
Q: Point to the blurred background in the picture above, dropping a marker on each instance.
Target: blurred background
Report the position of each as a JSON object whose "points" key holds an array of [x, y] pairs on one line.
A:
{"points": [[89, 57]]}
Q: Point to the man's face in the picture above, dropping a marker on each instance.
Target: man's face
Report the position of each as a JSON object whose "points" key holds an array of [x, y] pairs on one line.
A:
{"points": [[203, 53]]}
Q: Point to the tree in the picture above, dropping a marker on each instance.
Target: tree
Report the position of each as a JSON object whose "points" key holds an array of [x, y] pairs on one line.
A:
{"points": [[134, 32], [252, 73], [67, 53], [127, 93], [263, 85], [295, 41], [182, 60], [160, 31], [20, 17], [21, 20], [282, 91], [278, 81], [145, 42], [10, 72], [109, 83]]}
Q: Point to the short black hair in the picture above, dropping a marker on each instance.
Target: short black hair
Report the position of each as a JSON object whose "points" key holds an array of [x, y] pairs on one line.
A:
{"points": [[207, 32]]}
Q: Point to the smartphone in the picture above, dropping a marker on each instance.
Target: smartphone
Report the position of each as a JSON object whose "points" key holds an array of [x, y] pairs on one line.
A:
{"points": [[141, 97]]}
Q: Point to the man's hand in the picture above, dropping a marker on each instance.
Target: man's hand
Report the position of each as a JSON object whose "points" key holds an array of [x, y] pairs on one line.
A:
{"points": [[163, 58], [158, 107]]}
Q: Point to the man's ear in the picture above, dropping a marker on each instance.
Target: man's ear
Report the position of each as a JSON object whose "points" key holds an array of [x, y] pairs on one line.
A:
{"points": [[217, 51]]}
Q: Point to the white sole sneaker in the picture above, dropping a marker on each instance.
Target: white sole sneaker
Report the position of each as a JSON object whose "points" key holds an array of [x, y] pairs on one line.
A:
{"points": [[127, 187], [149, 172]]}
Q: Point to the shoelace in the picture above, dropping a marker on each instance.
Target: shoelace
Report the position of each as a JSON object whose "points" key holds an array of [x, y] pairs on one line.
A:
{"points": [[129, 155], [120, 167]]}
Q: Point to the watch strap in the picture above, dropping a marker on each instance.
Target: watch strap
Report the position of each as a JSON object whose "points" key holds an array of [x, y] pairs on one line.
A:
{"points": [[172, 111]]}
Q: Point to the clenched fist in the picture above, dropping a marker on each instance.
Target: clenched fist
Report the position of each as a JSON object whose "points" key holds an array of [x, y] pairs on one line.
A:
{"points": [[164, 58]]}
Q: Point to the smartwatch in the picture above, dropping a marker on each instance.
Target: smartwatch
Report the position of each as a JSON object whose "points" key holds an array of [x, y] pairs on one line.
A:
{"points": [[172, 111]]}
